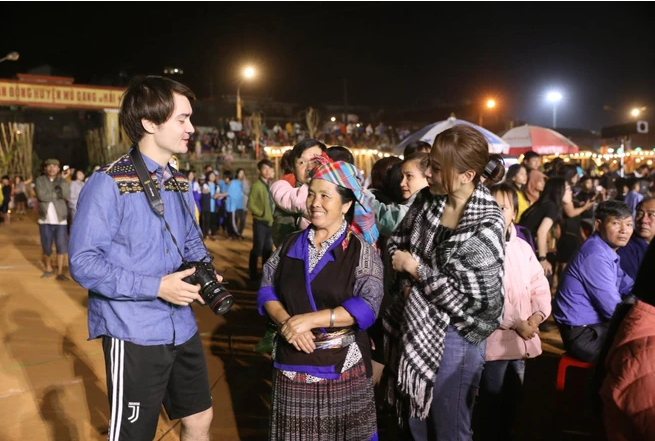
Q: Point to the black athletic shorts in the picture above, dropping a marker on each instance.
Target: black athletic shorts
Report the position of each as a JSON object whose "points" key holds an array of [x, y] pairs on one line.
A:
{"points": [[142, 378]]}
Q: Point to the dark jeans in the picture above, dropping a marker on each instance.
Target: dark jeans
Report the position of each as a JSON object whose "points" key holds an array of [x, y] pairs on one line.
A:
{"points": [[209, 223], [221, 215], [262, 245], [235, 223], [453, 396], [500, 395], [583, 342], [241, 221]]}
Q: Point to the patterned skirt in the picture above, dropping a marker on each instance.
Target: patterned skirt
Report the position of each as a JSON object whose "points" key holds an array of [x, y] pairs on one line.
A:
{"points": [[342, 409]]}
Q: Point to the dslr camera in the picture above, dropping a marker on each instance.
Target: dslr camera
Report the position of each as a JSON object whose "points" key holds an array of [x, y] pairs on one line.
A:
{"points": [[211, 290]]}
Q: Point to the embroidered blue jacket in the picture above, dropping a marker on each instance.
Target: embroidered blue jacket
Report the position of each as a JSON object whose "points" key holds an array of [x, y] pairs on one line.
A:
{"points": [[120, 250]]}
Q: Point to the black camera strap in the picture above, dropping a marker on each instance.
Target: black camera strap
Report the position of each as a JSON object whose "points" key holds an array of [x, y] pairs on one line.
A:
{"points": [[152, 193]]}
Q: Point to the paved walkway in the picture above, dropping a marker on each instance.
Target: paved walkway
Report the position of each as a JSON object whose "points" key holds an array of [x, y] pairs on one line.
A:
{"points": [[52, 379]]}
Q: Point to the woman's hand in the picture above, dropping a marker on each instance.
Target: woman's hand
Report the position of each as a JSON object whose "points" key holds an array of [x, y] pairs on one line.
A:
{"points": [[548, 268], [297, 331], [535, 320], [304, 342], [403, 261], [526, 330]]}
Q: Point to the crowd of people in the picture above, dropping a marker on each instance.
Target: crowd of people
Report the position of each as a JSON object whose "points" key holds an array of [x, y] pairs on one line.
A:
{"points": [[419, 290], [231, 138]]}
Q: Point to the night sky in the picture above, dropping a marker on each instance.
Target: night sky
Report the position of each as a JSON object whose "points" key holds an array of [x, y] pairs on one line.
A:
{"points": [[394, 55]]}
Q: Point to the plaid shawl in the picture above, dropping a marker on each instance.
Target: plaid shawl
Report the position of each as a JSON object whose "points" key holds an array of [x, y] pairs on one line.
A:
{"points": [[460, 284], [346, 175]]}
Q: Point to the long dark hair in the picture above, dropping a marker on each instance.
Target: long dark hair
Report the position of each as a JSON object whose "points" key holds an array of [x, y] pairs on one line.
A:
{"points": [[553, 191], [512, 171], [568, 172]]}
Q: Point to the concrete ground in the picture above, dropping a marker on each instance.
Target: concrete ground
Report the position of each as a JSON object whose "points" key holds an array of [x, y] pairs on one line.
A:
{"points": [[52, 379]]}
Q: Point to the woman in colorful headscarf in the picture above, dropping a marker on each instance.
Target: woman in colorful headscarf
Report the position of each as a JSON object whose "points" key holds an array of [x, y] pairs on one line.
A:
{"points": [[322, 288]]}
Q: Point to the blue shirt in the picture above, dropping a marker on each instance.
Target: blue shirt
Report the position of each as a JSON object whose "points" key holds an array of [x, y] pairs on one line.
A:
{"points": [[591, 286], [234, 196], [212, 191], [632, 199], [119, 251], [222, 186], [632, 255]]}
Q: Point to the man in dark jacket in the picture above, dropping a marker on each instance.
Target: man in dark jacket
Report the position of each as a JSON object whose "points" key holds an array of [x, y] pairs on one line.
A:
{"points": [[260, 204]]}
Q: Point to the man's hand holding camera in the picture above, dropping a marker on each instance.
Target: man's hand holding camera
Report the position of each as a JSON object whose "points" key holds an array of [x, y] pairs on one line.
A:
{"points": [[175, 290]]}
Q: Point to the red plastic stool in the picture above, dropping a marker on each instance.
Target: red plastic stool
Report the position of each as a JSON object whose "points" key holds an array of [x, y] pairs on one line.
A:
{"points": [[565, 362]]}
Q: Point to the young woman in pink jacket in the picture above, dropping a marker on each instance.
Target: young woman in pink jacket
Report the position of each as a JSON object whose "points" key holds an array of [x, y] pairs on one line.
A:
{"points": [[527, 304]]}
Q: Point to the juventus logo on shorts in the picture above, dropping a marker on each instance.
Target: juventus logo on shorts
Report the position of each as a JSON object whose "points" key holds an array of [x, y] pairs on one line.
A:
{"points": [[135, 412]]}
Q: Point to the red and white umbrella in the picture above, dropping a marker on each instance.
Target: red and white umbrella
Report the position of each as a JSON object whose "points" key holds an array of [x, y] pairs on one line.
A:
{"points": [[538, 139]]}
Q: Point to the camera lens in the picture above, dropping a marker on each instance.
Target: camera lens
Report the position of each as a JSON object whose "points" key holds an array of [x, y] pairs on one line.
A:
{"points": [[219, 300]]}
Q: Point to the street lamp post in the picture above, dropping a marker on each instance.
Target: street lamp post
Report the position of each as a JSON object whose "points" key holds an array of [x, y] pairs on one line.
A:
{"points": [[11, 56], [554, 97], [489, 105], [247, 74]]}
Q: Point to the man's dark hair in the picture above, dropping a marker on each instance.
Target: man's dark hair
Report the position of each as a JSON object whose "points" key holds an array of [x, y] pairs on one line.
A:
{"points": [[643, 201], [149, 98], [530, 154], [416, 146], [340, 153], [227, 174], [613, 208], [264, 162]]}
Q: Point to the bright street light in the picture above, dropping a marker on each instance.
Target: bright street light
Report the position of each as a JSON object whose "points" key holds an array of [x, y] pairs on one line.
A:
{"points": [[248, 73], [333, 119], [554, 97], [11, 56], [636, 111], [489, 104]]}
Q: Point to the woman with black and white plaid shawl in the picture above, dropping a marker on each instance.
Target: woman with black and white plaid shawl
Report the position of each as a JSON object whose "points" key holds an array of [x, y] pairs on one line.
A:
{"points": [[449, 252]]}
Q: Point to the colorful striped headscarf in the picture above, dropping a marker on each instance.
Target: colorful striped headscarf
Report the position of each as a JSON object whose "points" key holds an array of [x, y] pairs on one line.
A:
{"points": [[345, 175]]}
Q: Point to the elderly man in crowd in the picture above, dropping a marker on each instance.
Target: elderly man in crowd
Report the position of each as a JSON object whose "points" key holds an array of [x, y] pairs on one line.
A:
{"points": [[633, 253]]}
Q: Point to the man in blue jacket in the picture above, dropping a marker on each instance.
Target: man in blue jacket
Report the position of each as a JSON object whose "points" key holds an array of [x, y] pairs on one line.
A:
{"points": [[123, 253], [593, 283]]}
